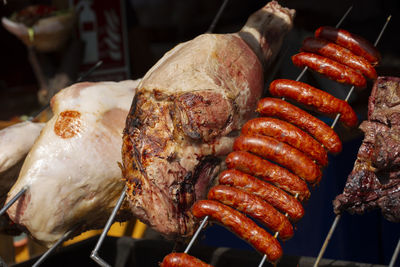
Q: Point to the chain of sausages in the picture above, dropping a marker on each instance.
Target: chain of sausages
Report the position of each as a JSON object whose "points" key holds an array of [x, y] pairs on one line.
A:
{"points": [[277, 154]]}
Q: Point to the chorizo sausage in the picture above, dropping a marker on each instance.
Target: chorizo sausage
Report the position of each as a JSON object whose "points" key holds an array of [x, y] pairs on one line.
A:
{"points": [[241, 225], [339, 54], [268, 192], [290, 113], [288, 133], [281, 153], [253, 206], [311, 96], [330, 68], [182, 260], [353, 42], [254, 165]]}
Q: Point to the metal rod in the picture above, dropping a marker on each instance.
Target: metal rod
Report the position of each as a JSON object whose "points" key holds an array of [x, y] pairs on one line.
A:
{"points": [[327, 239], [94, 255], [216, 18], [337, 218], [90, 71], [383, 29], [344, 16], [196, 234], [395, 254], [12, 201], [48, 252]]}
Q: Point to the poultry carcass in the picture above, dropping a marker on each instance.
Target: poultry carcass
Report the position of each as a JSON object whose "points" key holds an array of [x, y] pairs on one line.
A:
{"points": [[72, 170], [187, 111]]}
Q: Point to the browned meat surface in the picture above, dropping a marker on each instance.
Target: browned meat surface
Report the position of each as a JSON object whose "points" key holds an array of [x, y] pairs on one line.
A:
{"points": [[375, 179], [186, 113]]}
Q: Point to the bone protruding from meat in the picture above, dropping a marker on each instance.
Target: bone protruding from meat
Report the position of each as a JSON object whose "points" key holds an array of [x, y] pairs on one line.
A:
{"points": [[72, 170]]}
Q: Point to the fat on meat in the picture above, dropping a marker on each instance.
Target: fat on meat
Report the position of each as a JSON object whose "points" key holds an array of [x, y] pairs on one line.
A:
{"points": [[187, 111], [15, 143], [72, 170]]}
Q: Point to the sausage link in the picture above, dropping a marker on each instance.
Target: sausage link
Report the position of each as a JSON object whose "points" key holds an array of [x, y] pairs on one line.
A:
{"points": [[339, 54], [254, 165], [268, 192], [241, 225], [253, 206], [311, 96], [182, 260], [353, 42], [330, 68], [288, 133], [281, 153], [290, 113]]}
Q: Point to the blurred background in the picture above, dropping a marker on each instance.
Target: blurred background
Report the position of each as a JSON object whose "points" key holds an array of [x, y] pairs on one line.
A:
{"points": [[129, 36]]}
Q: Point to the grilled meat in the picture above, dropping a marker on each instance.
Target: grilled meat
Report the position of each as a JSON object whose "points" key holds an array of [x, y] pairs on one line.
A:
{"points": [[375, 179], [186, 113]]}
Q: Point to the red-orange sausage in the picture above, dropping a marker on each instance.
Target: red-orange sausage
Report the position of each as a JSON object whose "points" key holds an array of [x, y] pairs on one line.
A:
{"points": [[288, 133], [353, 42], [254, 165], [339, 54], [268, 192], [330, 68], [290, 113], [281, 153], [311, 96], [254, 206], [240, 225], [182, 260]]}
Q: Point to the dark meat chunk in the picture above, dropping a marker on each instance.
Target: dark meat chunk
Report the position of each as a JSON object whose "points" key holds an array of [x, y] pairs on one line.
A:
{"points": [[375, 179]]}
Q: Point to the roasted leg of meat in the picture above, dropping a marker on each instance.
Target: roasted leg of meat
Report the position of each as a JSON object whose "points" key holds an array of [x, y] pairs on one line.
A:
{"points": [[375, 179], [186, 113], [72, 170]]}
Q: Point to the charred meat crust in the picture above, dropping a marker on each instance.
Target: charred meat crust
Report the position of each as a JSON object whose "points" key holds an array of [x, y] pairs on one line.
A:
{"points": [[375, 179]]}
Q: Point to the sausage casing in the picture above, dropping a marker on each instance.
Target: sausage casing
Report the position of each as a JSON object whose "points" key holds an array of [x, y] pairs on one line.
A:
{"points": [[241, 225], [254, 165], [268, 192], [253, 206], [311, 96], [353, 42], [288, 133], [339, 54], [281, 153], [319, 130], [182, 260], [330, 68]]}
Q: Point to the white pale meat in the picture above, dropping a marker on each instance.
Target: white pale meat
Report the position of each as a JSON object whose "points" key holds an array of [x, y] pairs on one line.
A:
{"points": [[15, 143], [72, 170]]}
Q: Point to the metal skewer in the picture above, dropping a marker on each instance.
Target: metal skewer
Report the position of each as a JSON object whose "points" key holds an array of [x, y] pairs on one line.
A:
{"points": [[216, 18], [26, 187], [48, 252], [337, 218], [395, 254], [95, 252]]}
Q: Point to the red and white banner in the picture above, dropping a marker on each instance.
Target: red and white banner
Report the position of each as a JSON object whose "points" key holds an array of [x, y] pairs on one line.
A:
{"points": [[102, 27]]}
